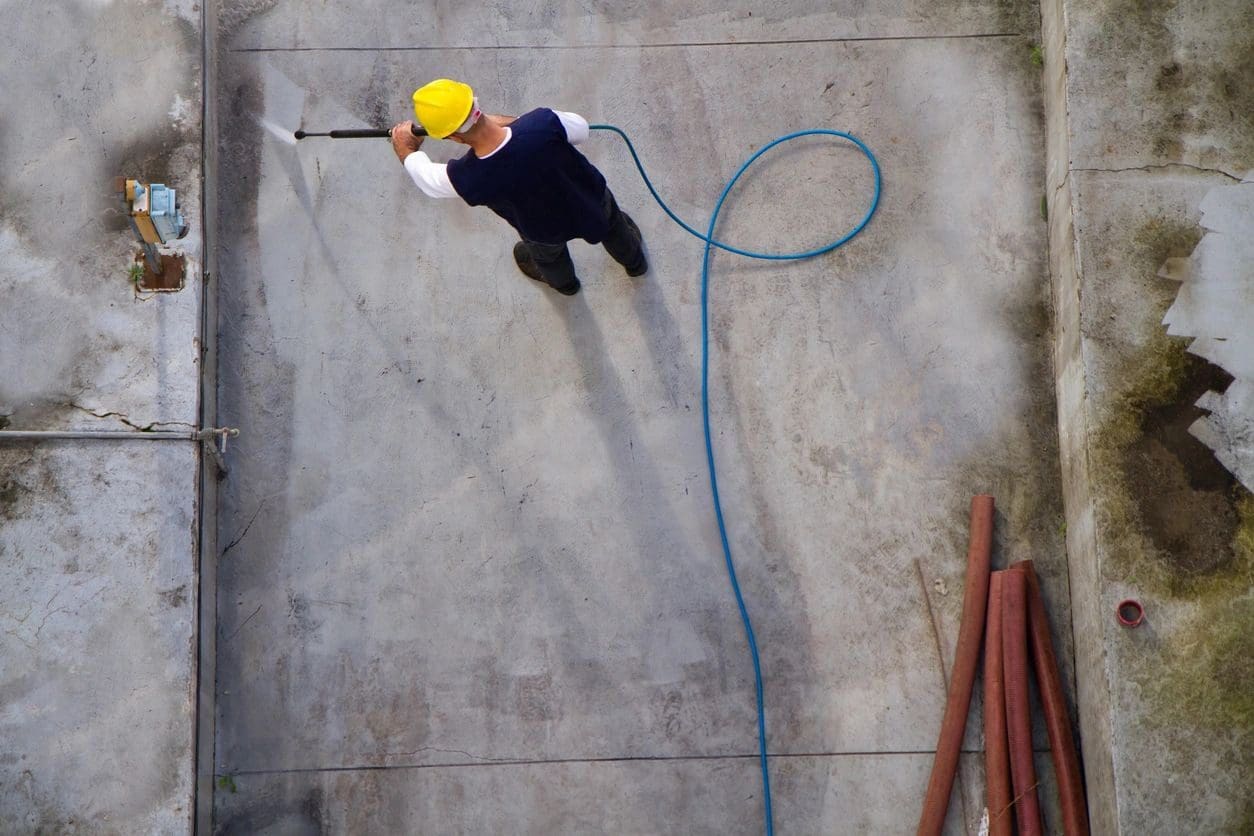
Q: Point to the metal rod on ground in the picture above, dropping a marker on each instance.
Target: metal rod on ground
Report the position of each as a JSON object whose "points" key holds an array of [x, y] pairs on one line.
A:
{"points": [[1014, 624], [1075, 821], [116, 435], [996, 745], [966, 660], [209, 436]]}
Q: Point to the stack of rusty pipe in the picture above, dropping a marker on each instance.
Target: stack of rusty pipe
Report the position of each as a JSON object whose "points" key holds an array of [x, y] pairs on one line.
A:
{"points": [[1017, 637]]}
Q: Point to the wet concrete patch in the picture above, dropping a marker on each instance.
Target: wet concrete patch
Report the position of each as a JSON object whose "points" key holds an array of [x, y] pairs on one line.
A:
{"points": [[1175, 517], [1188, 500]]}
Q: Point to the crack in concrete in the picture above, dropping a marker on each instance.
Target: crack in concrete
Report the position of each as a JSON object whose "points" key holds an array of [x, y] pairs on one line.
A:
{"points": [[605, 760], [70, 608], [1159, 166], [241, 626], [125, 419], [1066, 178], [661, 45], [243, 533], [421, 749]]}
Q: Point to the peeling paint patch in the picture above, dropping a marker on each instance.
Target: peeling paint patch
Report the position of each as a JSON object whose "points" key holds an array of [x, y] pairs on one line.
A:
{"points": [[1215, 305]]}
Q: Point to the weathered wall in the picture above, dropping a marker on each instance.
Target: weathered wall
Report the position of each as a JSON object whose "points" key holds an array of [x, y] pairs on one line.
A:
{"points": [[1149, 111]]}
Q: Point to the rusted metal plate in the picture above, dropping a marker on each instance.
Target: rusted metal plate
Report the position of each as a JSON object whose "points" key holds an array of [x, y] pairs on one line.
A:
{"points": [[169, 279]]}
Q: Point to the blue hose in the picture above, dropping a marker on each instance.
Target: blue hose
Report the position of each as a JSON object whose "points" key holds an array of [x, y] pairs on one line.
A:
{"points": [[710, 241]]}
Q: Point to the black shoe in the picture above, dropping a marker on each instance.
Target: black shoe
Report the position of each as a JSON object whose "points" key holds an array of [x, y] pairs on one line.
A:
{"points": [[529, 268], [639, 269], [527, 264]]}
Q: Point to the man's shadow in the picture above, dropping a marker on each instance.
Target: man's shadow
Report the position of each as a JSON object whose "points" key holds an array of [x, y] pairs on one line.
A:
{"points": [[771, 589]]}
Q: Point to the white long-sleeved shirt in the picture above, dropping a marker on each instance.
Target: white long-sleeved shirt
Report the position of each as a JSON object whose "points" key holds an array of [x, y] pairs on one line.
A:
{"points": [[432, 177]]}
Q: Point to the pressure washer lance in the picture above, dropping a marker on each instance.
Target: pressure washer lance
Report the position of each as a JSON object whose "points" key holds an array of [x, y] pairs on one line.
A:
{"points": [[359, 133]]}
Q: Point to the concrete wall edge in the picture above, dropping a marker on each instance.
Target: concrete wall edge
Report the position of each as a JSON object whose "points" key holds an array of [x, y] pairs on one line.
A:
{"points": [[1093, 691]]}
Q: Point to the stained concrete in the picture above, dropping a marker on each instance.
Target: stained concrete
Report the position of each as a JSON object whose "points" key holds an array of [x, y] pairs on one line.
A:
{"points": [[468, 520], [546, 24], [1149, 117], [97, 539], [96, 601], [79, 343], [1161, 83], [855, 793]]}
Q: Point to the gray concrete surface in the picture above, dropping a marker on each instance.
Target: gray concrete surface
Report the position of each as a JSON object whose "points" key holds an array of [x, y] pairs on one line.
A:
{"points": [[469, 575], [97, 539], [1150, 122], [850, 794], [96, 600], [468, 521]]}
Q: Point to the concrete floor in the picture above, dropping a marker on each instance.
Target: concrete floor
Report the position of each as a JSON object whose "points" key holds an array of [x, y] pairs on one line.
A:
{"points": [[470, 574]]}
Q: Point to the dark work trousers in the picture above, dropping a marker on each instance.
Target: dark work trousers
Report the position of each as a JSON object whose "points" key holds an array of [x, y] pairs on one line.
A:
{"points": [[622, 243]]}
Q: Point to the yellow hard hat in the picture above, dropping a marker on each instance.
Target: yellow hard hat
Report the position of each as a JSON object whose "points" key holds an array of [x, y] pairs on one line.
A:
{"points": [[443, 105]]}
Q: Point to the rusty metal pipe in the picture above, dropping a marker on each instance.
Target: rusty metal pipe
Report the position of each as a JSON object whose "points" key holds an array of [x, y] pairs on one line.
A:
{"points": [[1075, 820], [996, 744], [966, 660], [1014, 622]]}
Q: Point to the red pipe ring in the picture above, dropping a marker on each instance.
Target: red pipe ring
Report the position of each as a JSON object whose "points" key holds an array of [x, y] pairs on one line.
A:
{"points": [[1135, 612]]}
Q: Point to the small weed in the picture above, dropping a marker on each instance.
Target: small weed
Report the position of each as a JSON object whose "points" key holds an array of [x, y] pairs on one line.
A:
{"points": [[1044, 209], [226, 782], [1038, 56], [136, 273]]}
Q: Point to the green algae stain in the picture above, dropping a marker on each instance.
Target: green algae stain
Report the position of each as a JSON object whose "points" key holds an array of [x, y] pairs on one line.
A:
{"points": [[1203, 678], [1175, 521], [1177, 527], [1231, 664], [1162, 238]]}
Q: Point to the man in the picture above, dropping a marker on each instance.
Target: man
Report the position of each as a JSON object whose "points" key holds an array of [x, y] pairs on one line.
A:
{"points": [[526, 170]]}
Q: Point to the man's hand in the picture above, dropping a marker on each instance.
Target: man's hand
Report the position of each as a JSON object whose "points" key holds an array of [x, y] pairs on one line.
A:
{"points": [[404, 142]]}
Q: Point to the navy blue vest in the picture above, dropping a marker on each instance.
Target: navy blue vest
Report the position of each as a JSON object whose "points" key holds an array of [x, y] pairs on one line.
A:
{"points": [[538, 182]]}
